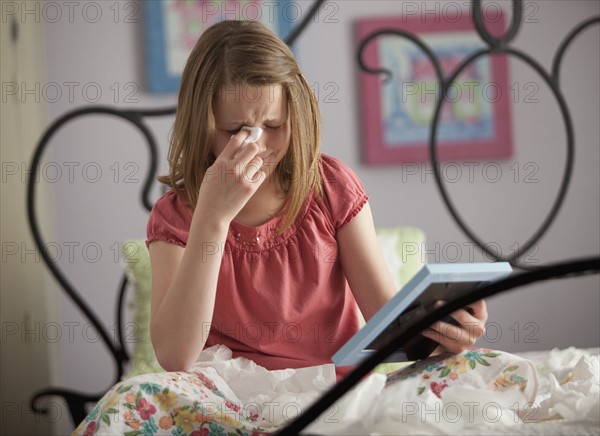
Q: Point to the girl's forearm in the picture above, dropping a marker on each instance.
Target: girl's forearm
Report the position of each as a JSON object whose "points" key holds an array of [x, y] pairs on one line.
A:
{"points": [[181, 323]]}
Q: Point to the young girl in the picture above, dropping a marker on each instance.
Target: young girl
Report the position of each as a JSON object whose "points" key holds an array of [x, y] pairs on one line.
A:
{"points": [[267, 247]]}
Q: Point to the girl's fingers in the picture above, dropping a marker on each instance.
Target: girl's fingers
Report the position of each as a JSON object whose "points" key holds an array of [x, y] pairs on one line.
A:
{"points": [[234, 145], [455, 338], [253, 169], [243, 153], [472, 318], [239, 161], [246, 153], [452, 339], [479, 310]]}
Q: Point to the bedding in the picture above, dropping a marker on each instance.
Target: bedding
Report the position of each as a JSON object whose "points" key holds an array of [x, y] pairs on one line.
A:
{"points": [[479, 391]]}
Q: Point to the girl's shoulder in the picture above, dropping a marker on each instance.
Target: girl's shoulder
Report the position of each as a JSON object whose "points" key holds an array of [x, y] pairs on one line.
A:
{"points": [[330, 164], [171, 204], [344, 194], [169, 219], [336, 175]]}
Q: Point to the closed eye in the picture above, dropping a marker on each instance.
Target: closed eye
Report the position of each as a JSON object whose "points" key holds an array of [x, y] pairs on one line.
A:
{"points": [[235, 131]]}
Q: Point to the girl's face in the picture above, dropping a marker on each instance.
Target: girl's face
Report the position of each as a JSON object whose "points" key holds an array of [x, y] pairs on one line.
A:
{"points": [[254, 106]]}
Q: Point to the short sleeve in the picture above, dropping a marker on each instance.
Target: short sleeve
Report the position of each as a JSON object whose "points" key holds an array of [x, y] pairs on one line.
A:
{"points": [[169, 221], [343, 191]]}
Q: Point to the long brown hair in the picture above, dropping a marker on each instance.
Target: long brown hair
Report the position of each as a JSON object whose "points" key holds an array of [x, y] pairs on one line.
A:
{"points": [[243, 53]]}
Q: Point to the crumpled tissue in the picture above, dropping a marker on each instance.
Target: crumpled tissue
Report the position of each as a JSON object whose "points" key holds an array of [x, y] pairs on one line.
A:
{"points": [[574, 390], [255, 134], [278, 396]]}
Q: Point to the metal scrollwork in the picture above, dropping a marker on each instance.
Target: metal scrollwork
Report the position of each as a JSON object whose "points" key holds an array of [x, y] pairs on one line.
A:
{"points": [[496, 45]]}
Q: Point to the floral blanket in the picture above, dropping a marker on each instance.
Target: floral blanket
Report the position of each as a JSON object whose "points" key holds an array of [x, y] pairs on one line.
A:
{"points": [[222, 395]]}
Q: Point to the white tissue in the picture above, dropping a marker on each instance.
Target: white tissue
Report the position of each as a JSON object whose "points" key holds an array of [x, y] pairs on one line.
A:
{"points": [[577, 397], [255, 134], [277, 395]]}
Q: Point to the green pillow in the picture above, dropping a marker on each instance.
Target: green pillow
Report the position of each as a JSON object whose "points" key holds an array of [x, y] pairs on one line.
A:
{"points": [[137, 266], [402, 250]]}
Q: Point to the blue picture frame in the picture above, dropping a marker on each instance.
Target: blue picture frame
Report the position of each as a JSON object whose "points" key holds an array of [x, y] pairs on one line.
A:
{"points": [[282, 14], [414, 301]]}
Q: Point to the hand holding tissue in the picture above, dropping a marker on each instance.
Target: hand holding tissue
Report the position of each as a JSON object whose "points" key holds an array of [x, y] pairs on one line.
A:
{"points": [[255, 134]]}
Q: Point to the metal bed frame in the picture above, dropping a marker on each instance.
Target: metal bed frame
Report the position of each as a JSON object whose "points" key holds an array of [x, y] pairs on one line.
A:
{"points": [[77, 400]]}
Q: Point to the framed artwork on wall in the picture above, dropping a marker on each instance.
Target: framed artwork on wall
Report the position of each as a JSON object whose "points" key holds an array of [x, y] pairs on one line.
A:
{"points": [[172, 28], [397, 113]]}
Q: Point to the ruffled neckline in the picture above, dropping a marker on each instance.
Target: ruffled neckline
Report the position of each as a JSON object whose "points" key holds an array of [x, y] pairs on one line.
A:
{"points": [[264, 236]]}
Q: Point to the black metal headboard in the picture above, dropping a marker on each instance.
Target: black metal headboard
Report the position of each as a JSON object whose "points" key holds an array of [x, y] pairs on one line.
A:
{"points": [[569, 268], [77, 400]]}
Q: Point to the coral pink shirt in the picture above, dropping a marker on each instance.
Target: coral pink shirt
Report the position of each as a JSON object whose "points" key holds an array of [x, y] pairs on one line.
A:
{"points": [[282, 300]]}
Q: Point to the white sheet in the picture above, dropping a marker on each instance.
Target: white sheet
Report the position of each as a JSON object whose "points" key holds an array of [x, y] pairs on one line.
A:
{"points": [[566, 399]]}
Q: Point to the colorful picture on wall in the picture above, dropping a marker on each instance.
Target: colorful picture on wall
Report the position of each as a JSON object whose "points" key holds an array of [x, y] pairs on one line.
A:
{"points": [[172, 28], [397, 114]]}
